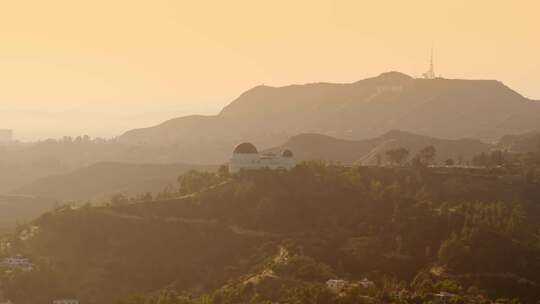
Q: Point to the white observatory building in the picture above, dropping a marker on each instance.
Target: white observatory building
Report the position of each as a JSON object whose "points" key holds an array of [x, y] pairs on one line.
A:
{"points": [[246, 157]]}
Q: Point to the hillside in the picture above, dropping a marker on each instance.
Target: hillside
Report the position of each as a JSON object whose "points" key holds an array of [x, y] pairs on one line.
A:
{"points": [[316, 146], [267, 116], [521, 143], [20, 210], [22, 164], [101, 180], [455, 230]]}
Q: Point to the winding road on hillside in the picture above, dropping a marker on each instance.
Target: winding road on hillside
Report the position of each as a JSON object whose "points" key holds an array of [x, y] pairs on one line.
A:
{"points": [[196, 221]]}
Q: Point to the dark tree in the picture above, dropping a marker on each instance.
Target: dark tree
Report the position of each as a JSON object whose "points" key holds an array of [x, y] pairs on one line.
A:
{"points": [[397, 156], [426, 156]]}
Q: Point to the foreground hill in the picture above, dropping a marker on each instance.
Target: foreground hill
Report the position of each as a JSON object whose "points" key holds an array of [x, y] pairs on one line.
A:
{"points": [[277, 236], [322, 147], [101, 180], [444, 108]]}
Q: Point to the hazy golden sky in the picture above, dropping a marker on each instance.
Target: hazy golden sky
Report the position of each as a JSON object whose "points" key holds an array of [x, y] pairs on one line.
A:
{"points": [[105, 55]]}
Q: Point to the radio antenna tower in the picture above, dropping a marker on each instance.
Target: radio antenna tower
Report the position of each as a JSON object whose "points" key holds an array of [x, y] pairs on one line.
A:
{"points": [[430, 74]]}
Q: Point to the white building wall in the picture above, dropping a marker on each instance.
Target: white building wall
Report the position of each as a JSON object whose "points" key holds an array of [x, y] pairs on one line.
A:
{"points": [[244, 161], [253, 161]]}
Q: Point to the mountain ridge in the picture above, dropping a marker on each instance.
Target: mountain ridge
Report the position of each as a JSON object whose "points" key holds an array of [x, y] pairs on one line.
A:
{"points": [[312, 146], [267, 116]]}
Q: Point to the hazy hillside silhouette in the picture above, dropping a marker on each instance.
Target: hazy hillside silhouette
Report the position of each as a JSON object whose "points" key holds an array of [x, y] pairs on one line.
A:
{"points": [[322, 147], [444, 108], [101, 180]]}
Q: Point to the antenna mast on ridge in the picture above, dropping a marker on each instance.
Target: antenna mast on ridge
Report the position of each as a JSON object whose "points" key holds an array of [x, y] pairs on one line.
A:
{"points": [[430, 74]]}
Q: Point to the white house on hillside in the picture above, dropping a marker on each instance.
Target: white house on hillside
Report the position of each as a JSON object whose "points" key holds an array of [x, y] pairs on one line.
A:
{"points": [[18, 262], [246, 157], [336, 286]]}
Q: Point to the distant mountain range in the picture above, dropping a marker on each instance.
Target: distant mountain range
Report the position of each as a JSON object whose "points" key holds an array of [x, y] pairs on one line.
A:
{"points": [[267, 116], [323, 147], [32, 125]]}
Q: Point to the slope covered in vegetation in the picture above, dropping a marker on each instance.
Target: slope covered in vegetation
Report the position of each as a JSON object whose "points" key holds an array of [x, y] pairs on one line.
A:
{"points": [[279, 235]]}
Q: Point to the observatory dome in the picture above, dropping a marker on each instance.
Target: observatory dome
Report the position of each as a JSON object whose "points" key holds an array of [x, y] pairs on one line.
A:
{"points": [[286, 153], [245, 148]]}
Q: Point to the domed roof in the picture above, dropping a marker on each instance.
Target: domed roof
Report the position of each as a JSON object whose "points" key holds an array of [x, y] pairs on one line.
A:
{"points": [[286, 153], [245, 148]]}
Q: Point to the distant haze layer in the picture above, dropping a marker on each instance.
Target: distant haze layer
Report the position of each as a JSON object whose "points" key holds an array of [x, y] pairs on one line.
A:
{"points": [[136, 56], [30, 125]]}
